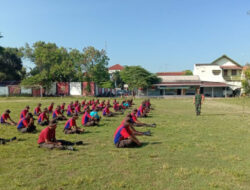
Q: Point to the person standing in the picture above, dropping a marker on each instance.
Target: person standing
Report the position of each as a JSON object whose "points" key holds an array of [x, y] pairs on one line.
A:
{"points": [[198, 100]]}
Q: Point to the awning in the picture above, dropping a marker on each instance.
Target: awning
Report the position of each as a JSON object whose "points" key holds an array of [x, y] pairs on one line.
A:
{"points": [[171, 88]]}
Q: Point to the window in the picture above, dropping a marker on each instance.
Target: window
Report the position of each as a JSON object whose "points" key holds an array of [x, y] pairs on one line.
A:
{"points": [[225, 73], [234, 72], [216, 72]]}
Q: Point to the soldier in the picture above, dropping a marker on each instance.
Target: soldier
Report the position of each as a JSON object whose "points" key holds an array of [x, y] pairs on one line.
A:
{"points": [[198, 100]]}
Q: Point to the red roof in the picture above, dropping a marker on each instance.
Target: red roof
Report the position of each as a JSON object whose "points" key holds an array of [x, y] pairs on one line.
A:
{"points": [[170, 73], [231, 67], [116, 67]]}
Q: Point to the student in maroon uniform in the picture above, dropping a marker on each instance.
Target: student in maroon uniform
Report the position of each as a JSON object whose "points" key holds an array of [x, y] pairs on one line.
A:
{"points": [[76, 103], [138, 123], [124, 137], [141, 112], [26, 125], [63, 107], [78, 109], [37, 110], [24, 112], [58, 115], [87, 120], [47, 139], [43, 118], [70, 110], [106, 112], [50, 108], [83, 102], [5, 117], [71, 126]]}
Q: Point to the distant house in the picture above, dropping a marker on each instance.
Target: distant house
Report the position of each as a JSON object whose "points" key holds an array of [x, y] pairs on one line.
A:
{"points": [[220, 78], [115, 68], [173, 83]]}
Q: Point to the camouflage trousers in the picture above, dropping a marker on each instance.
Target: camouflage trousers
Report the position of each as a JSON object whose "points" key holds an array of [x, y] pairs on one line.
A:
{"points": [[198, 109]]}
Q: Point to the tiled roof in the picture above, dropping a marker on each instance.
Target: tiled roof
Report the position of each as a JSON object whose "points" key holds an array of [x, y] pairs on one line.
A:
{"points": [[231, 67], [170, 73], [116, 67], [213, 84]]}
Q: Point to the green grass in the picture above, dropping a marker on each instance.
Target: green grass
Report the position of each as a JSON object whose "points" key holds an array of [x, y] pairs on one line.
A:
{"points": [[185, 152]]}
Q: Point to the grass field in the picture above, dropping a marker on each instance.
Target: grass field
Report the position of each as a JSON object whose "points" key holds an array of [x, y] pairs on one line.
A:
{"points": [[185, 152]]}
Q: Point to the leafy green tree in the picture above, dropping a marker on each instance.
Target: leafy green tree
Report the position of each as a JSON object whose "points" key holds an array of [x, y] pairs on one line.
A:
{"points": [[94, 65], [138, 77], [246, 81], [11, 65], [188, 72], [52, 64], [116, 78]]}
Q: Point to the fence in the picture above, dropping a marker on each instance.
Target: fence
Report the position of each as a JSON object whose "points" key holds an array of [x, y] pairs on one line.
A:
{"points": [[57, 89]]}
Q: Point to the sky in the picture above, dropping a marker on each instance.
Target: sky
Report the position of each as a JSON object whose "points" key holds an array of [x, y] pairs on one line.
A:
{"points": [[159, 35]]}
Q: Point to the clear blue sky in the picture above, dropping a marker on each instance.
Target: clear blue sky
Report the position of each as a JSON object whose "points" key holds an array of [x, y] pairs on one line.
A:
{"points": [[160, 35]]}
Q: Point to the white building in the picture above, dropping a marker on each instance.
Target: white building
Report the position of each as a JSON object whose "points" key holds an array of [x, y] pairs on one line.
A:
{"points": [[222, 77]]}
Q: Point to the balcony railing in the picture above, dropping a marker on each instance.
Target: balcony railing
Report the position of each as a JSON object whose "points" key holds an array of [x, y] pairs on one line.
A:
{"points": [[232, 78]]}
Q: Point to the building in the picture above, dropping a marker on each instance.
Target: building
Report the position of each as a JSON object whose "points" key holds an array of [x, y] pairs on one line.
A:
{"points": [[115, 68], [173, 83], [220, 78]]}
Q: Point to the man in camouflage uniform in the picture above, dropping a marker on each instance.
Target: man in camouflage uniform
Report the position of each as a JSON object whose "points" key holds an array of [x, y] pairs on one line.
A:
{"points": [[198, 100]]}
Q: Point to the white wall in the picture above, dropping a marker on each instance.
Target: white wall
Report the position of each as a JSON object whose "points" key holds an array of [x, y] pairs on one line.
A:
{"points": [[52, 90], [26, 90], [75, 89], [4, 91], [206, 73]]}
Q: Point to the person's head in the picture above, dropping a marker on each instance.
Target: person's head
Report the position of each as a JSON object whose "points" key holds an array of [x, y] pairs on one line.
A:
{"points": [[39, 105], [29, 115], [7, 111], [71, 103], [135, 110], [75, 116], [27, 107], [58, 107], [126, 124], [52, 103], [198, 91], [45, 110], [96, 109], [52, 124], [87, 110], [63, 103]]}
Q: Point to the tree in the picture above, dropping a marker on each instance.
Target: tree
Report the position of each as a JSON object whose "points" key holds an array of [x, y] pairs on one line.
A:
{"points": [[52, 64], [138, 77], [188, 72], [246, 81], [94, 65], [11, 65], [116, 78]]}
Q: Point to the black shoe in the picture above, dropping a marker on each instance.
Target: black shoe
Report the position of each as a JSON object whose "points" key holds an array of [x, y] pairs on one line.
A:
{"points": [[79, 143], [12, 139]]}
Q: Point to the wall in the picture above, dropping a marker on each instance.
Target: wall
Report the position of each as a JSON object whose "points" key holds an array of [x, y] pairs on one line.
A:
{"points": [[4, 91], [75, 88], [206, 73]]}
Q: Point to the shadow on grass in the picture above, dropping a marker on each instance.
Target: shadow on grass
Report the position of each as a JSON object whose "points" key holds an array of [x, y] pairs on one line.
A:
{"points": [[213, 114], [153, 143], [20, 139]]}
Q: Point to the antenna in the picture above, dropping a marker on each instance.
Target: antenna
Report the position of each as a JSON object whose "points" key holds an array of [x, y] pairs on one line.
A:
{"points": [[106, 47]]}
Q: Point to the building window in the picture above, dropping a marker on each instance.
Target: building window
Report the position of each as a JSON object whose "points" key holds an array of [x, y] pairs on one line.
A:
{"points": [[225, 73], [234, 72], [216, 72]]}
